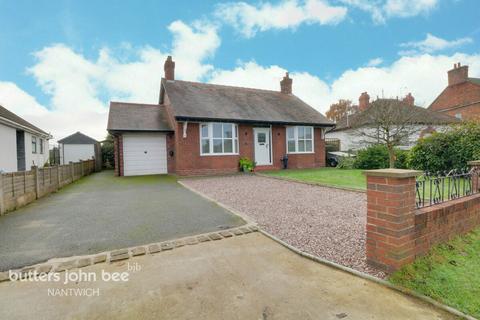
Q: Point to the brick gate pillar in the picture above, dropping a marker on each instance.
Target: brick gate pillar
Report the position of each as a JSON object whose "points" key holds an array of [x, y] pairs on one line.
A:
{"points": [[390, 217], [475, 165]]}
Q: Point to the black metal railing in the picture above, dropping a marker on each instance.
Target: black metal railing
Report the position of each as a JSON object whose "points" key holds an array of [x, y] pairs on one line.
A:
{"points": [[435, 188]]}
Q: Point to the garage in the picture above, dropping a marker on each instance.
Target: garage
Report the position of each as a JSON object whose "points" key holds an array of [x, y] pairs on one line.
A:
{"points": [[144, 153]]}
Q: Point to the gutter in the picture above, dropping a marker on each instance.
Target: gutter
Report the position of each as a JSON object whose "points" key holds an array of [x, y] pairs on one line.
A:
{"points": [[25, 128], [206, 119]]}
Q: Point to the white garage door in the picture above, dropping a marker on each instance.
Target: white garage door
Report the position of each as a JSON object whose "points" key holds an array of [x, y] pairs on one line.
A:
{"points": [[144, 153]]}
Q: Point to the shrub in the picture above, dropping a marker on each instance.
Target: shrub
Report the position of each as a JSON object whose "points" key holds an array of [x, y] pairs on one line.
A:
{"points": [[346, 163], [107, 152], [376, 157], [448, 150], [246, 165]]}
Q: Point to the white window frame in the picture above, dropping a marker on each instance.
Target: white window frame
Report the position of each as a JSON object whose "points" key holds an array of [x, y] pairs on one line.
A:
{"points": [[210, 138], [41, 145], [295, 135], [34, 143]]}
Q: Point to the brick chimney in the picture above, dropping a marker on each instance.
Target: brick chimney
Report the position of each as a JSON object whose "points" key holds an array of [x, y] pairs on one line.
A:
{"points": [[458, 74], [286, 85], [169, 68], [363, 101], [409, 99]]}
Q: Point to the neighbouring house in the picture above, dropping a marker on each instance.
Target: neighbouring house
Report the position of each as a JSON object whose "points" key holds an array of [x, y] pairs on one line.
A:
{"points": [[201, 129], [350, 130], [461, 98], [78, 147], [22, 144]]}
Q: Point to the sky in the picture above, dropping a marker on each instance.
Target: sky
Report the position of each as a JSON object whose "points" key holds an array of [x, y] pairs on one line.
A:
{"points": [[62, 62]]}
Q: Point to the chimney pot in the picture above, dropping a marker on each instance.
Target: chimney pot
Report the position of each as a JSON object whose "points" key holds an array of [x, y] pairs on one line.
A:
{"points": [[363, 101], [286, 84], [458, 74], [409, 99], [169, 68]]}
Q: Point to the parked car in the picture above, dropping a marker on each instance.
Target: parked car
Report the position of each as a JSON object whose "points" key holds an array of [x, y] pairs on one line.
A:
{"points": [[334, 157]]}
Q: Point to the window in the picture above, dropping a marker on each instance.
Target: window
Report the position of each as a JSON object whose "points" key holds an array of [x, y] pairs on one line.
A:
{"points": [[458, 116], [34, 144], [41, 146], [218, 138], [299, 139]]}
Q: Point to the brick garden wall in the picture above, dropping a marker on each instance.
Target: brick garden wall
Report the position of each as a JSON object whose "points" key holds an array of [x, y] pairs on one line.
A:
{"points": [[442, 222], [397, 232], [18, 189]]}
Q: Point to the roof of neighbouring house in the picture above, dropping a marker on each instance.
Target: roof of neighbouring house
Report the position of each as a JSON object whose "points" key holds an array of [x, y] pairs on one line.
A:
{"points": [[202, 101], [418, 115], [77, 138], [474, 80], [7, 114], [125, 116]]}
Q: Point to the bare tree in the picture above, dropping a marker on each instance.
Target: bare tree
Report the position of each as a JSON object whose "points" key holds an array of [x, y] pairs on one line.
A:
{"points": [[390, 122]]}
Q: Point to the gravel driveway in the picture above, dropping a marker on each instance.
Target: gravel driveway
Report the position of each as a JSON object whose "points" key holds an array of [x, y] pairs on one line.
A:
{"points": [[326, 222]]}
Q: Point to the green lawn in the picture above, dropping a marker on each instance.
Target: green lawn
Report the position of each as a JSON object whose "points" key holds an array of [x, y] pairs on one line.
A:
{"points": [[348, 178], [449, 274]]}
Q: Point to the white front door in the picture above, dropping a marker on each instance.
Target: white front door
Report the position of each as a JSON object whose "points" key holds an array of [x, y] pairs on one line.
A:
{"points": [[144, 153], [263, 154]]}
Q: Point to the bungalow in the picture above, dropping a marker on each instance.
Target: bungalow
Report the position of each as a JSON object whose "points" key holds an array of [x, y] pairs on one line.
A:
{"points": [[77, 147], [353, 129], [22, 144], [199, 129]]}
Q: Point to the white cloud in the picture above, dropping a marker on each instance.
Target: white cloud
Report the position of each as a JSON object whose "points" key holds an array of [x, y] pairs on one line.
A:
{"points": [[249, 19], [432, 44], [374, 62], [422, 75], [25, 104], [381, 10], [80, 88]]}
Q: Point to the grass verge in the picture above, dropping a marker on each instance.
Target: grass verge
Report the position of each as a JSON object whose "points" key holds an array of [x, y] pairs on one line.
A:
{"points": [[450, 273], [347, 178]]}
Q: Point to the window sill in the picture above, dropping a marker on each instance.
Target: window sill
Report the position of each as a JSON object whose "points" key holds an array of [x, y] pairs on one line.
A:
{"points": [[218, 154], [310, 152]]}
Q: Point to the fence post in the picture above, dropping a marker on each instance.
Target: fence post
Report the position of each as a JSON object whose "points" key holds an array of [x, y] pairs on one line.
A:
{"points": [[390, 217], [2, 198], [58, 176], [475, 165], [72, 169], [37, 182], [81, 168]]}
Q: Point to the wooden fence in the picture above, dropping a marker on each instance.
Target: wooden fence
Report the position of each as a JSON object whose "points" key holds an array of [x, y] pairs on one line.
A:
{"points": [[18, 189]]}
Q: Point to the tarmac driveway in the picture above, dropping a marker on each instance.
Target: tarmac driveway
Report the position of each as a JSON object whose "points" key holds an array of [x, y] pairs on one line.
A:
{"points": [[102, 212]]}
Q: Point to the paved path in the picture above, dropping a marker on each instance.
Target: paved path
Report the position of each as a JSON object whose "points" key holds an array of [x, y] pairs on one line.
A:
{"points": [[246, 277], [102, 212], [327, 222]]}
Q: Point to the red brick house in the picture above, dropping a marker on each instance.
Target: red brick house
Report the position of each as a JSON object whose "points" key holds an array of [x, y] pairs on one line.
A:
{"points": [[201, 129], [461, 98]]}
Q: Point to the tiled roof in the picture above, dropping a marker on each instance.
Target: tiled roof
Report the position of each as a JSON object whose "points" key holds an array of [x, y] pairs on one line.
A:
{"points": [[201, 101], [77, 138], [125, 116], [4, 113], [418, 115]]}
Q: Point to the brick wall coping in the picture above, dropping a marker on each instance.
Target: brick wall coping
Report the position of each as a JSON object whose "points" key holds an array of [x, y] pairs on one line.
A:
{"points": [[393, 173], [474, 163]]}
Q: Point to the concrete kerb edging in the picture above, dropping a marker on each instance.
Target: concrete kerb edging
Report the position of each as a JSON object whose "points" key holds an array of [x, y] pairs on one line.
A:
{"points": [[316, 184], [76, 262], [371, 278]]}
